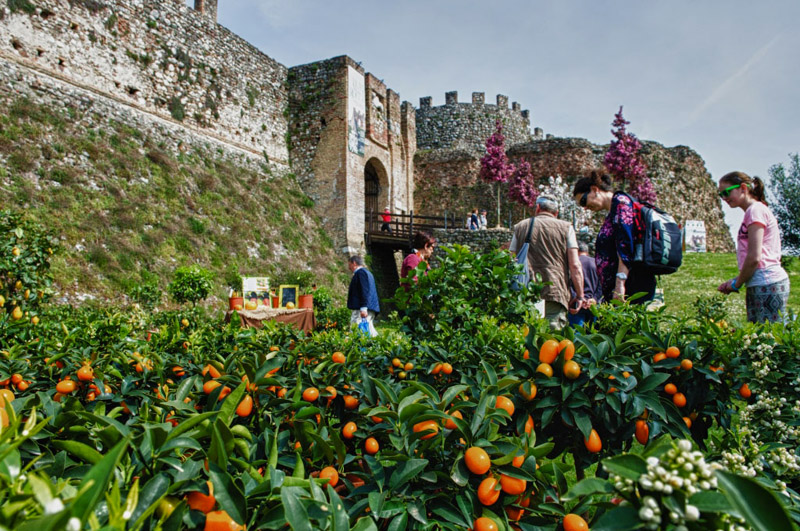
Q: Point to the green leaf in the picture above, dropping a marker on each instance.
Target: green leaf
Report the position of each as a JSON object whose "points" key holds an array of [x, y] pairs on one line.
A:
{"points": [[295, 512], [619, 519], [757, 505], [450, 394], [341, 522], [399, 523], [583, 421], [628, 466], [180, 442], [708, 501], [389, 396], [228, 408], [652, 381], [149, 498], [460, 473], [82, 451], [406, 471], [96, 481], [190, 423], [229, 496], [561, 480], [588, 487], [451, 516], [365, 523]]}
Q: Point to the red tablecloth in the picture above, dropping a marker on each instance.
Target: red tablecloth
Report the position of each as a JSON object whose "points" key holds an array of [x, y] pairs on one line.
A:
{"points": [[302, 318]]}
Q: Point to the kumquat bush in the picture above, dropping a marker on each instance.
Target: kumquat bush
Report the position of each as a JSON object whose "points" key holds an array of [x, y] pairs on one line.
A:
{"points": [[466, 413]]}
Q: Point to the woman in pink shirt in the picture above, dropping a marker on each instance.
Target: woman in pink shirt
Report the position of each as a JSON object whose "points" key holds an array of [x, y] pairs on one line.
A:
{"points": [[758, 250], [424, 245]]}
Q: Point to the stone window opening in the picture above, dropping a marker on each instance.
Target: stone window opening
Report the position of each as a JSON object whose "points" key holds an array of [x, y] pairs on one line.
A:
{"points": [[132, 91]]}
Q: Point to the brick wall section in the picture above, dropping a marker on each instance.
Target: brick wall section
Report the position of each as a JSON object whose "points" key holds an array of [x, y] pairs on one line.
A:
{"points": [[161, 57], [331, 175], [468, 125]]}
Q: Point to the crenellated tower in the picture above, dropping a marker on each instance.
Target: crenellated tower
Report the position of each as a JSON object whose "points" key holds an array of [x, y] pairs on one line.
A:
{"points": [[466, 126]]}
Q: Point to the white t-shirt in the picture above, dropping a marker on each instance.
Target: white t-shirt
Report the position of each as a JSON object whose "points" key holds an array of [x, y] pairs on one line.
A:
{"points": [[769, 270]]}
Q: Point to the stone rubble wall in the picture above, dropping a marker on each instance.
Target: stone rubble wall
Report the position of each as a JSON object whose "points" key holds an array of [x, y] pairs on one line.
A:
{"points": [[476, 240], [16, 81], [449, 180], [160, 57], [466, 126]]}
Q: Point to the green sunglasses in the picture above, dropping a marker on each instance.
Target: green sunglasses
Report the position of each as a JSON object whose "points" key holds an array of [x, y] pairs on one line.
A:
{"points": [[727, 191]]}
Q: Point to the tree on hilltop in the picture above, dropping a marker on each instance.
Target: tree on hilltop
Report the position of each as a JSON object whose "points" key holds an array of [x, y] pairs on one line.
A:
{"points": [[495, 167], [623, 163], [785, 184]]}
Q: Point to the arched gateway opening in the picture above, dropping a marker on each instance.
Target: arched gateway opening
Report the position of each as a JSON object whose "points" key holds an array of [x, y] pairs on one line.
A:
{"points": [[376, 188]]}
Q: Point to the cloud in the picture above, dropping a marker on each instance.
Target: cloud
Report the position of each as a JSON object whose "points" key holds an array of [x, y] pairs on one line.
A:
{"points": [[720, 91]]}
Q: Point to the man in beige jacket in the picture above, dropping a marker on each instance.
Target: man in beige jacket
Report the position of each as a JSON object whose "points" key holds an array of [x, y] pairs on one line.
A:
{"points": [[553, 257]]}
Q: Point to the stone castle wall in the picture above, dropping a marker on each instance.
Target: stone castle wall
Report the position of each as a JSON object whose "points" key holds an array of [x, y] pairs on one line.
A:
{"points": [[466, 126], [449, 180], [160, 57]]}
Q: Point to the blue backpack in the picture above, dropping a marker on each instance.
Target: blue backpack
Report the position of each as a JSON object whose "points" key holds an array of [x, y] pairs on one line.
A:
{"points": [[661, 249], [524, 277]]}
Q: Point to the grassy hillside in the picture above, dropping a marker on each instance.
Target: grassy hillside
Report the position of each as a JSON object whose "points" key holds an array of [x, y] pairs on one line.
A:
{"points": [[128, 209], [700, 275]]}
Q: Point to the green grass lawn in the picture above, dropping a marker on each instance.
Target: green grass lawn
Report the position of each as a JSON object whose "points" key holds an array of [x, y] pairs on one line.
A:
{"points": [[700, 275]]}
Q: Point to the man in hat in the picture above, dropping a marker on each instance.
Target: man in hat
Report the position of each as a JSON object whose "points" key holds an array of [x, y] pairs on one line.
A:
{"points": [[387, 218], [552, 255]]}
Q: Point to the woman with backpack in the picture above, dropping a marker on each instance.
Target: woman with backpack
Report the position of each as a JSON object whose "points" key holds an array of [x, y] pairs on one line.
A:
{"points": [[614, 247], [758, 250]]}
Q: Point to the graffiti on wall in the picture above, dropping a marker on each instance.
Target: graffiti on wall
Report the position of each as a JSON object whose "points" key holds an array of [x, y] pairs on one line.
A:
{"points": [[356, 113]]}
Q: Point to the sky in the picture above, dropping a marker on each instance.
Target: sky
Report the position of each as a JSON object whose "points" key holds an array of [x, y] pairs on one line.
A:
{"points": [[719, 76]]}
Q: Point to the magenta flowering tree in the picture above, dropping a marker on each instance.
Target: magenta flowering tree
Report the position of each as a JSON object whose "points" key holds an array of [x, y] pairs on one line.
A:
{"points": [[522, 189], [495, 167], [623, 163]]}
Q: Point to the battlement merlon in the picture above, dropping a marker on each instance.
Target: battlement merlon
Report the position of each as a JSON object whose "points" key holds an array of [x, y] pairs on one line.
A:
{"points": [[478, 99], [207, 8]]}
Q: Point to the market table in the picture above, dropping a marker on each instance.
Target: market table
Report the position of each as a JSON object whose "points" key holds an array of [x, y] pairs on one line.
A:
{"points": [[301, 318]]}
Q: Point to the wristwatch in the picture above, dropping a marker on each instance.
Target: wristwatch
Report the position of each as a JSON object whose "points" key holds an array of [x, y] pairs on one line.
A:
{"points": [[622, 276]]}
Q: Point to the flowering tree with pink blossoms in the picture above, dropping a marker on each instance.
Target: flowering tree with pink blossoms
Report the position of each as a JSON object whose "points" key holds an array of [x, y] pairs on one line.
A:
{"points": [[623, 163], [495, 167], [522, 189]]}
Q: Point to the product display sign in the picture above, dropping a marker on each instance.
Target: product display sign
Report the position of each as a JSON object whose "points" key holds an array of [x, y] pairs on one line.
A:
{"points": [[694, 236], [255, 291]]}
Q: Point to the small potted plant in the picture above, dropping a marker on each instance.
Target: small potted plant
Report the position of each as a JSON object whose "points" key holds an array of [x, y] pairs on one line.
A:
{"points": [[234, 282]]}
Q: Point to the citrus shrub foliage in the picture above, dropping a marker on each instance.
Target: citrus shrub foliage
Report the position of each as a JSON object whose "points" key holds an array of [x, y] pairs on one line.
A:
{"points": [[25, 252], [123, 420], [461, 291], [190, 284]]}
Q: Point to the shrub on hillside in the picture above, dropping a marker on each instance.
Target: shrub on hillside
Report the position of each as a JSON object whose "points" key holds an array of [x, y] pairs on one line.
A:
{"points": [[190, 284], [25, 251]]}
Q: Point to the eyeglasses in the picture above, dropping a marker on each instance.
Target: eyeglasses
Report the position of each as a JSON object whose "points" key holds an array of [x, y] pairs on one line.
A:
{"points": [[584, 197], [727, 191]]}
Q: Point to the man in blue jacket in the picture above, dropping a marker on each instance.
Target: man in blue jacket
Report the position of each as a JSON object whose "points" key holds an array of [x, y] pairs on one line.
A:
{"points": [[362, 297]]}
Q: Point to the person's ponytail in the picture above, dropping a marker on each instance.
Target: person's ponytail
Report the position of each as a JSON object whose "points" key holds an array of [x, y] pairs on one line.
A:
{"points": [[758, 191]]}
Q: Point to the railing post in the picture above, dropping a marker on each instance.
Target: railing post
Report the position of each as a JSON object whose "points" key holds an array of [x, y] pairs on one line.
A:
{"points": [[411, 227]]}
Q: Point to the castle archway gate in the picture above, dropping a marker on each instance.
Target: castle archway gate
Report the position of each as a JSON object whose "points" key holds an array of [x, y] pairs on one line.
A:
{"points": [[376, 188]]}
